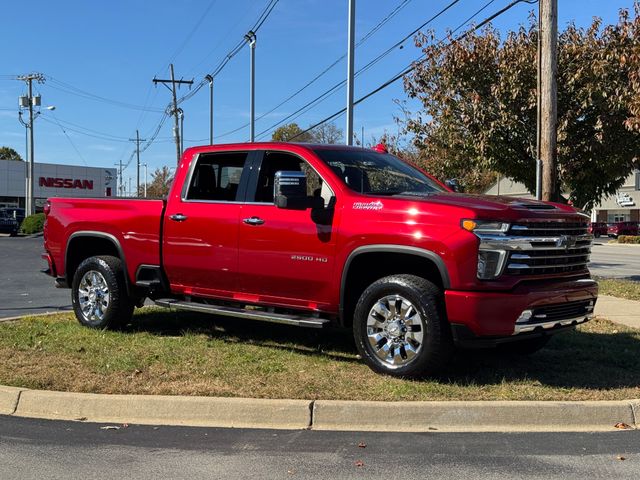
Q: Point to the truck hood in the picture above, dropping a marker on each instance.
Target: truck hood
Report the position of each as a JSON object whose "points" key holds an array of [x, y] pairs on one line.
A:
{"points": [[493, 206]]}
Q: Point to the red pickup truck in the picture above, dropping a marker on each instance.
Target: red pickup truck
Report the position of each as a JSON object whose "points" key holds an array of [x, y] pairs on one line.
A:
{"points": [[318, 235]]}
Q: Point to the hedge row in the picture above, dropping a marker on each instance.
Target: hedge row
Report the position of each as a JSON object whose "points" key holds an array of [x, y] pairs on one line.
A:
{"points": [[635, 239], [32, 224]]}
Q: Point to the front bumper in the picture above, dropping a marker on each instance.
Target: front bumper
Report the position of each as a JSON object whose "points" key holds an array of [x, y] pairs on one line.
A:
{"points": [[553, 306]]}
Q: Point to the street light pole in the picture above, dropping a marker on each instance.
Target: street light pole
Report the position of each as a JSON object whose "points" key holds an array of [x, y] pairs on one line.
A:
{"points": [[350, 65], [145, 180], [251, 39], [32, 101], [210, 79]]}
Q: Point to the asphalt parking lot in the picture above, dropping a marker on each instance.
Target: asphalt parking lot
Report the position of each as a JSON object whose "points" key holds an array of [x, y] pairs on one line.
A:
{"points": [[25, 290]]}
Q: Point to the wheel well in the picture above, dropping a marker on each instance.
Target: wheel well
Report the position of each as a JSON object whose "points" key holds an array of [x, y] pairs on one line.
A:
{"points": [[83, 247], [366, 268]]}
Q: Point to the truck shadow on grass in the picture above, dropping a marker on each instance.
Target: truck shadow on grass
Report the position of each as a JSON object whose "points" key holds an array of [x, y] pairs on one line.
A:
{"points": [[606, 359]]}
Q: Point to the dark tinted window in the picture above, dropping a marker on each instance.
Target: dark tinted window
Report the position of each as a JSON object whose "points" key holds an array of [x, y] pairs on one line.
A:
{"points": [[377, 173], [216, 176]]}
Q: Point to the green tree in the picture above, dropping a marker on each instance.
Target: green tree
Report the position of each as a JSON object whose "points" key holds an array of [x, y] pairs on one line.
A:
{"points": [[160, 184], [478, 100], [287, 132], [8, 153]]}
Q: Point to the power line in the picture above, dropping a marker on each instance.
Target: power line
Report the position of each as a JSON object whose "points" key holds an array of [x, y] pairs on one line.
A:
{"points": [[106, 139], [65, 87], [340, 84], [232, 53], [413, 65], [368, 35], [192, 32]]}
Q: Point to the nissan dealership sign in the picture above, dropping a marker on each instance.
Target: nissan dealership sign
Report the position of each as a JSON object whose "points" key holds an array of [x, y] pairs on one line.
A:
{"points": [[66, 183], [52, 180]]}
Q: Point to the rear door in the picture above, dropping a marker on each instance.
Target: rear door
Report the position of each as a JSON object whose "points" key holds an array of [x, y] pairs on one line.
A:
{"points": [[285, 257], [200, 238]]}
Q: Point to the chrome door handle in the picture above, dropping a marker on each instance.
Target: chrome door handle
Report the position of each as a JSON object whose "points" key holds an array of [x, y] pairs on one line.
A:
{"points": [[178, 217], [253, 221]]}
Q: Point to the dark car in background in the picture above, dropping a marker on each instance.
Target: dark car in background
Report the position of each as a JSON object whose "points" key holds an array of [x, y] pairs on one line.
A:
{"points": [[598, 229], [622, 228], [8, 222]]}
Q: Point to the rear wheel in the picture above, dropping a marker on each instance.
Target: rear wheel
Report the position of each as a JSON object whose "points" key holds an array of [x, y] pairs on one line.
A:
{"points": [[400, 329], [99, 293]]}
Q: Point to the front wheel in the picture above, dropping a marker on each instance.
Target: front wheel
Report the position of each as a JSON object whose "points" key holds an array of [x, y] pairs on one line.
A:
{"points": [[99, 293], [400, 329]]}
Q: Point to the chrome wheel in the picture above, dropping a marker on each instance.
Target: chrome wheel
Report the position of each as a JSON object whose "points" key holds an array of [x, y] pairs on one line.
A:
{"points": [[395, 331], [93, 296]]}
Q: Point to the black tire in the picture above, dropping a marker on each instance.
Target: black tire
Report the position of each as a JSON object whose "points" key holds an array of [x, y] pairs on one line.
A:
{"points": [[597, 235], [527, 346], [13, 233], [412, 354], [92, 307]]}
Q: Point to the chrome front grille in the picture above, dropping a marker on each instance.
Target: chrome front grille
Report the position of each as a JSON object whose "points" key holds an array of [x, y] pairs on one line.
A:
{"points": [[542, 248]]}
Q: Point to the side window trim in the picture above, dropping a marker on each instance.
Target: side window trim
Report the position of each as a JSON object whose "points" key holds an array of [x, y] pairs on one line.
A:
{"points": [[242, 186]]}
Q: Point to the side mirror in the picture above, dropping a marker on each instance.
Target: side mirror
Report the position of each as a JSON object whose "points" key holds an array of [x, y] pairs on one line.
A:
{"points": [[290, 190], [454, 185]]}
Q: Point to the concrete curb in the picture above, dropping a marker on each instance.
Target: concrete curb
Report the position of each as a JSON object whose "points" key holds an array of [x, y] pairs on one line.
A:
{"points": [[453, 416], [486, 416], [9, 397], [165, 410]]}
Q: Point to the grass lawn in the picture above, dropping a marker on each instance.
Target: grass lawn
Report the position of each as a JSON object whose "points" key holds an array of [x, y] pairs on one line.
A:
{"points": [[181, 353], [619, 288]]}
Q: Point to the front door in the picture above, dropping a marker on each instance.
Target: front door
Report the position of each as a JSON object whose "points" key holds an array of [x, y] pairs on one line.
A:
{"points": [[285, 257], [200, 238]]}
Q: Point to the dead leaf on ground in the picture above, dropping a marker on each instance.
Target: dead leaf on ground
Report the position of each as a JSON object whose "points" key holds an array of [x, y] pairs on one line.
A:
{"points": [[81, 419], [622, 426], [359, 463], [620, 457], [362, 445]]}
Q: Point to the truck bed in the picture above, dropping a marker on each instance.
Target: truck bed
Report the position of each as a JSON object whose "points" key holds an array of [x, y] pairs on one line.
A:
{"points": [[132, 224]]}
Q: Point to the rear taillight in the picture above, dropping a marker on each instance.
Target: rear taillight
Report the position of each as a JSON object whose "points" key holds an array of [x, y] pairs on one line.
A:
{"points": [[47, 208]]}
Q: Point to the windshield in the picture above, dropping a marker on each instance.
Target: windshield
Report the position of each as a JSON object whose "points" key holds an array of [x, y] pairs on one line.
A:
{"points": [[377, 173]]}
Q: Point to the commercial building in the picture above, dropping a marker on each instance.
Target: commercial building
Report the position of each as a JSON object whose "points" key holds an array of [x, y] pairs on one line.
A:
{"points": [[623, 206], [52, 180]]}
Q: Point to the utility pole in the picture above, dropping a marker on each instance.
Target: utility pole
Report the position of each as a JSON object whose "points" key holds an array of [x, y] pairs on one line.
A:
{"points": [[174, 111], [145, 180], [120, 180], [350, 62], [137, 140], [209, 78], [32, 102], [548, 96], [251, 40]]}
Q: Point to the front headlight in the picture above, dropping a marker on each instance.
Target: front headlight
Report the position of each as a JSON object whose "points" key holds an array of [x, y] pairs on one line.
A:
{"points": [[485, 226], [490, 261]]}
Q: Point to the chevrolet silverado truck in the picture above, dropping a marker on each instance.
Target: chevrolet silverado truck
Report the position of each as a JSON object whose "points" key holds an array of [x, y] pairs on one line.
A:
{"points": [[320, 235]]}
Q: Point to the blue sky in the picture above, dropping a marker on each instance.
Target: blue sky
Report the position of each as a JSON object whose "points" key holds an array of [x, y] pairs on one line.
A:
{"points": [[113, 50]]}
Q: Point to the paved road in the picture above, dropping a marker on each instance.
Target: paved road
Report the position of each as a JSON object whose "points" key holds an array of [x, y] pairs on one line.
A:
{"points": [[615, 260], [26, 291], [46, 449]]}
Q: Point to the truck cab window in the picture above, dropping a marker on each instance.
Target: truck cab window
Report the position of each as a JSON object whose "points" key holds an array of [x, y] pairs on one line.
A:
{"points": [[216, 177], [276, 161]]}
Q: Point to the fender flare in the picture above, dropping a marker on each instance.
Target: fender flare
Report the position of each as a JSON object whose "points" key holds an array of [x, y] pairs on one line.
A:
{"points": [[390, 248], [96, 234]]}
